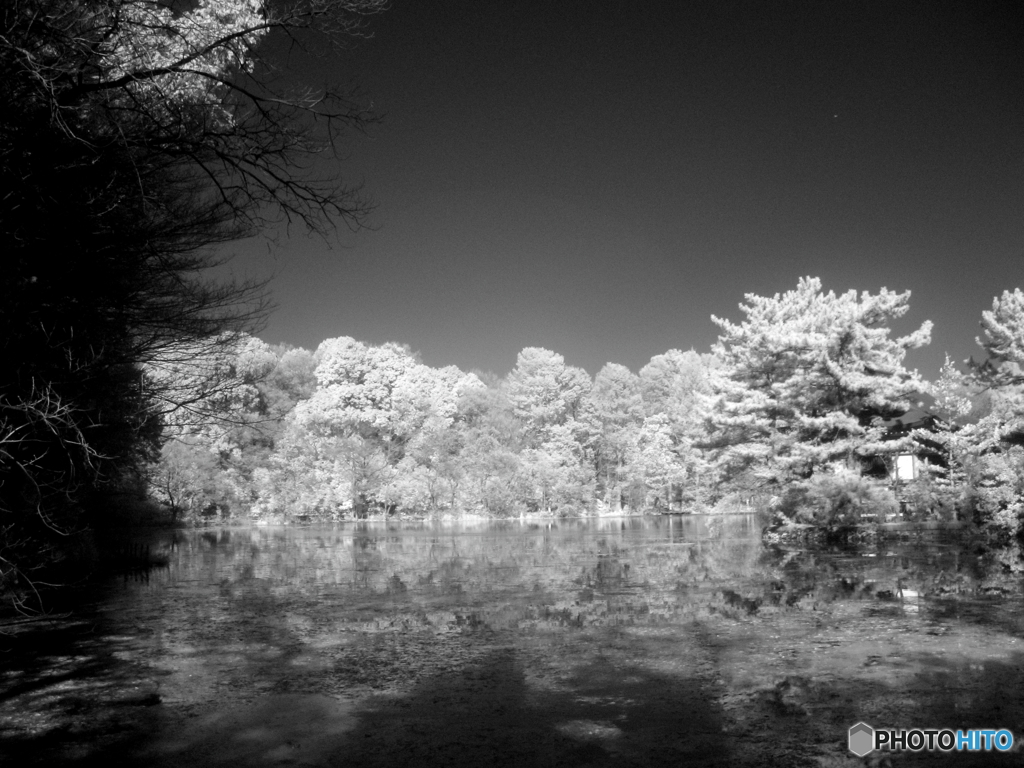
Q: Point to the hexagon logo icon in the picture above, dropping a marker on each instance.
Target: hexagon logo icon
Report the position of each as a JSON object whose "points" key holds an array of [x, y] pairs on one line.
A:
{"points": [[862, 738]]}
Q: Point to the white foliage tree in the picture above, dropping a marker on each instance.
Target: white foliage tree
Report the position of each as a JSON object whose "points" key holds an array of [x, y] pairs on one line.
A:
{"points": [[552, 477], [674, 384], [384, 411], [986, 457], [676, 391], [490, 438], [313, 473], [611, 414], [1002, 373], [547, 397], [804, 379], [1003, 329], [544, 391], [654, 460]]}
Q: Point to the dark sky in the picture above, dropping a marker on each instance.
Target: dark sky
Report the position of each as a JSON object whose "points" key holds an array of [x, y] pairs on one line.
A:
{"points": [[599, 178]]}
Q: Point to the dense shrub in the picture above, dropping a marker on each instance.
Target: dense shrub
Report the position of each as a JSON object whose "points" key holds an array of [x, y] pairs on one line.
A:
{"points": [[930, 497], [836, 500]]}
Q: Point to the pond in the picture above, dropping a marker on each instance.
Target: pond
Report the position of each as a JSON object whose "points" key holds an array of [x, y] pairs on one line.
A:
{"points": [[637, 641]]}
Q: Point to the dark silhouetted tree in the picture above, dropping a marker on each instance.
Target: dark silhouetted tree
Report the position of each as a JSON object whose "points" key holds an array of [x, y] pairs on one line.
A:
{"points": [[134, 137]]}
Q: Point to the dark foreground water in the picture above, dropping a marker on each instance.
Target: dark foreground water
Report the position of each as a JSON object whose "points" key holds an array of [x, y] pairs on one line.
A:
{"points": [[664, 641]]}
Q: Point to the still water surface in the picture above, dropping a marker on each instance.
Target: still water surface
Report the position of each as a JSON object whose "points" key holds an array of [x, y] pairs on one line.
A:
{"points": [[655, 641]]}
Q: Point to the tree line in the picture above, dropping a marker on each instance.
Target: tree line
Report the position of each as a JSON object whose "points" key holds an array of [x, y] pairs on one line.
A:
{"points": [[796, 408]]}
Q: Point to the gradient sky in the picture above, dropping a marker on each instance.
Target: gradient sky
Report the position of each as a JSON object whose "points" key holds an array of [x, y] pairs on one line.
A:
{"points": [[599, 178]]}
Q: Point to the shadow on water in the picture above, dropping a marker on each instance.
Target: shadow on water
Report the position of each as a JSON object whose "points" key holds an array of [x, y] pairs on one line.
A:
{"points": [[485, 715], [489, 715], [978, 693], [66, 693]]}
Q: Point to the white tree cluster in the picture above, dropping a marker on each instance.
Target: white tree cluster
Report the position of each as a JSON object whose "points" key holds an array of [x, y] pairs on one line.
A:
{"points": [[800, 394]]}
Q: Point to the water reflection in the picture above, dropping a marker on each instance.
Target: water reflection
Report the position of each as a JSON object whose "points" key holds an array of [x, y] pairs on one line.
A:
{"points": [[630, 640]]}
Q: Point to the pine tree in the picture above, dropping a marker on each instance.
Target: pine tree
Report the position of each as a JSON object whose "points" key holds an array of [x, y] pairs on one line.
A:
{"points": [[805, 380]]}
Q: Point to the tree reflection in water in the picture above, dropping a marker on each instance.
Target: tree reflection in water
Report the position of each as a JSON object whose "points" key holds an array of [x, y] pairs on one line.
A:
{"points": [[625, 641]]}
